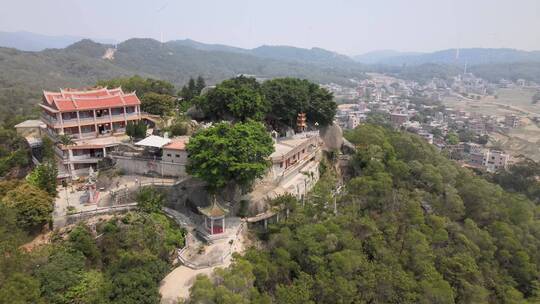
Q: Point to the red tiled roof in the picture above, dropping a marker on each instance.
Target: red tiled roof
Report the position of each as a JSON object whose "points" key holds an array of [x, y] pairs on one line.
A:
{"points": [[72, 100], [177, 144]]}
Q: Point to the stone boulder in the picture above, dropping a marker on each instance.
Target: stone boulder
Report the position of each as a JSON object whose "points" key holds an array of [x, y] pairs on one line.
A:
{"points": [[332, 136], [195, 113]]}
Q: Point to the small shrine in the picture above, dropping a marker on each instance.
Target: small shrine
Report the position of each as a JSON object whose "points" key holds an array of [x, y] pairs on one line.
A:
{"points": [[214, 218], [301, 123]]}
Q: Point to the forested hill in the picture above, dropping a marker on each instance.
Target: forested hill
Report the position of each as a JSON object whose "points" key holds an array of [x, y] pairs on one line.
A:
{"points": [[24, 74], [411, 227]]}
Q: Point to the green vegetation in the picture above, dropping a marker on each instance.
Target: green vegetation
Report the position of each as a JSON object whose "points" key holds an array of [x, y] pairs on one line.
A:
{"points": [[238, 98], [521, 177], [411, 227], [278, 101], [227, 154], [136, 129], [14, 154], [124, 264], [192, 89], [149, 200], [32, 206], [290, 96]]}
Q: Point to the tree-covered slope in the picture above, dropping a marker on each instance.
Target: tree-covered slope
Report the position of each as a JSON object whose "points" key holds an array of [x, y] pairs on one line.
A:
{"points": [[412, 227]]}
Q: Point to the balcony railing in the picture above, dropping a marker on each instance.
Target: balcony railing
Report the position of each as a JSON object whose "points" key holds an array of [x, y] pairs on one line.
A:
{"points": [[88, 134], [87, 118], [86, 156]]}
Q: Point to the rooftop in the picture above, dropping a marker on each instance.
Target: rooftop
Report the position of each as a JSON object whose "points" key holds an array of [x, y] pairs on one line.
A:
{"points": [[87, 99], [154, 141], [215, 210], [178, 143], [30, 124]]}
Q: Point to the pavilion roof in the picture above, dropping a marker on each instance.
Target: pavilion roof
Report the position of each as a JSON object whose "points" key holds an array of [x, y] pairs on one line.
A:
{"points": [[215, 210]]}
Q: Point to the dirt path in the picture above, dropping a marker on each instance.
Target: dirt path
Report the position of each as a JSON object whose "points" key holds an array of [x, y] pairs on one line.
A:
{"points": [[177, 283]]}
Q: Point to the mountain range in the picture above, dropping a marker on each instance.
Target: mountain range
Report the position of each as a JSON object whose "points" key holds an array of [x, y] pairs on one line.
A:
{"points": [[23, 74]]}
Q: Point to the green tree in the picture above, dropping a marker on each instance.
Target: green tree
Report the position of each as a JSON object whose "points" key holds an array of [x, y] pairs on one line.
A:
{"points": [[135, 278], [289, 96], [136, 129], [200, 84], [237, 98], [32, 205], [82, 240], [158, 104], [63, 271], [44, 176], [20, 289], [93, 288], [452, 139], [66, 140], [226, 153], [149, 200]]}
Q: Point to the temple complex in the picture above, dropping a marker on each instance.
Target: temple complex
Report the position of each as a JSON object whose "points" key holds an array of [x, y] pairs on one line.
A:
{"points": [[95, 119]]}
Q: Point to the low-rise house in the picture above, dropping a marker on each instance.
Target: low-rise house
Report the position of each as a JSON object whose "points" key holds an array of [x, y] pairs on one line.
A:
{"points": [[156, 155]]}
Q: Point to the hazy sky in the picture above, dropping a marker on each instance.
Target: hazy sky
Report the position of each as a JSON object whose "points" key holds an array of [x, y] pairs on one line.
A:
{"points": [[346, 26]]}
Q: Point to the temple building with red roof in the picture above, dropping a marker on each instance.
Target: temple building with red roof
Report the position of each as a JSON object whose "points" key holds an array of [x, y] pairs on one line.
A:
{"points": [[94, 118]]}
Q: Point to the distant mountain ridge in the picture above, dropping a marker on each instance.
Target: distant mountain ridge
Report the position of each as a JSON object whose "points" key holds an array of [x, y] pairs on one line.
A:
{"points": [[470, 56], [379, 56], [27, 41], [279, 52]]}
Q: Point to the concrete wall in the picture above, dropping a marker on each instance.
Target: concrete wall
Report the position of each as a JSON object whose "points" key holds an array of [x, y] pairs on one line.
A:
{"points": [[146, 166], [175, 156]]}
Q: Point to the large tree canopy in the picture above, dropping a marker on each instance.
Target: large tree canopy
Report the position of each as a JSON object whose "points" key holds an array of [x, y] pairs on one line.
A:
{"points": [[236, 98], [226, 153], [278, 101], [290, 96]]}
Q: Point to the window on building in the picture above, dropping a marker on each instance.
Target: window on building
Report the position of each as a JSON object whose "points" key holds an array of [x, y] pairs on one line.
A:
{"points": [[168, 155], [177, 155], [281, 164]]}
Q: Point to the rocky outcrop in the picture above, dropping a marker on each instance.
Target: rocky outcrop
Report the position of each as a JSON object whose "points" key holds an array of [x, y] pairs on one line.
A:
{"points": [[332, 136]]}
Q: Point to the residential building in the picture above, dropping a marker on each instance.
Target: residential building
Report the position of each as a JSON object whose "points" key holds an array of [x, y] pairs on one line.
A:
{"points": [[398, 119], [512, 121], [496, 160], [155, 155], [175, 151]]}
